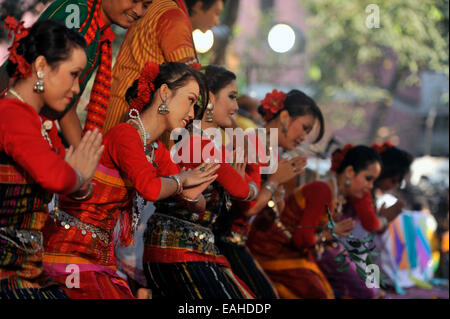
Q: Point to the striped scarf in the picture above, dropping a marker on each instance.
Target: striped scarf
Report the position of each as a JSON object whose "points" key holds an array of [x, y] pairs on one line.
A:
{"points": [[96, 110]]}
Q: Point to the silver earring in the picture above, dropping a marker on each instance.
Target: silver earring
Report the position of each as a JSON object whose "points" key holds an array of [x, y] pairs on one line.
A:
{"points": [[209, 112], [284, 129], [348, 183], [163, 108], [39, 85]]}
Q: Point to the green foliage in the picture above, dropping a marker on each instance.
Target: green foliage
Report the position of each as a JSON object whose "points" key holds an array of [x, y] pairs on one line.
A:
{"points": [[413, 36]]}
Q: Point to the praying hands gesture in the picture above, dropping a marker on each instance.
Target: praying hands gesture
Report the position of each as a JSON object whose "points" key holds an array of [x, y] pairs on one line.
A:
{"points": [[85, 157]]}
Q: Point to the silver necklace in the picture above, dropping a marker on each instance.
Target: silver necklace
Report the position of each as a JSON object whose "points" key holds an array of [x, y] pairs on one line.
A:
{"points": [[17, 95]]}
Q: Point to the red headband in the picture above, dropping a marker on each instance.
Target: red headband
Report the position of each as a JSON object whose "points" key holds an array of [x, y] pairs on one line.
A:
{"points": [[339, 157], [382, 148], [23, 69], [272, 104], [146, 86]]}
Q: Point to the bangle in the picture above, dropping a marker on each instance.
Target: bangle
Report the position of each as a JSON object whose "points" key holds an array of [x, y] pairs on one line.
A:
{"points": [[85, 196], [385, 222], [80, 179], [177, 179], [187, 199], [252, 186], [271, 187]]}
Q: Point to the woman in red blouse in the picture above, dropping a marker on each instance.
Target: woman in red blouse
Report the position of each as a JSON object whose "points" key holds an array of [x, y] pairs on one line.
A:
{"points": [[44, 63], [286, 249], [293, 116], [80, 235], [181, 259]]}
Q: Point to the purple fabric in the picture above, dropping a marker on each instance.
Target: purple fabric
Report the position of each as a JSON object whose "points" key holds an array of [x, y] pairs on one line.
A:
{"points": [[347, 283]]}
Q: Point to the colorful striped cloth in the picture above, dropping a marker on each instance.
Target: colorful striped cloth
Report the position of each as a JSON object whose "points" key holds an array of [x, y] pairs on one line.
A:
{"points": [[93, 258], [180, 257]]}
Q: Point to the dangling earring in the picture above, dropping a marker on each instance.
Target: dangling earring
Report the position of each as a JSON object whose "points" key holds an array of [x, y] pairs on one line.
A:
{"points": [[209, 112], [348, 183], [284, 129], [39, 85], [163, 108]]}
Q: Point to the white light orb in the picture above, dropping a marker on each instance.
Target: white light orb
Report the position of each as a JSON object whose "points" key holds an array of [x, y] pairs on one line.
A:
{"points": [[281, 38], [203, 41]]}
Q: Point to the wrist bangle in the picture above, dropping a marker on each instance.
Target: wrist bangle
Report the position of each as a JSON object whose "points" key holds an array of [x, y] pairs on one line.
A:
{"points": [[85, 196], [252, 186], [187, 199], [271, 187], [80, 179], [177, 179], [384, 220]]}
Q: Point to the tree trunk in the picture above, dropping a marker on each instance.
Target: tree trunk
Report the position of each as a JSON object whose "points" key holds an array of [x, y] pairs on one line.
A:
{"points": [[383, 109], [229, 20]]}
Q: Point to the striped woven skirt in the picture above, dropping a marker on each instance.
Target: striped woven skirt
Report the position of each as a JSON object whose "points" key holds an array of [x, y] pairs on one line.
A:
{"points": [[247, 269], [195, 280], [51, 292]]}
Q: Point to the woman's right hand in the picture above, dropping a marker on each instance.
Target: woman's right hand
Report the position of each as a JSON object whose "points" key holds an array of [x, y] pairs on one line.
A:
{"points": [[85, 157], [288, 169], [344, 227], [204, 173], [393, 211]]}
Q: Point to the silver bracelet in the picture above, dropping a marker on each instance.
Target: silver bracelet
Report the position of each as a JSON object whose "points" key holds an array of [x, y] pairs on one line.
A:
{"points": [[177, 179], [384, 220], [187, 199], [271, 187], [80, 178], [252, 186]]}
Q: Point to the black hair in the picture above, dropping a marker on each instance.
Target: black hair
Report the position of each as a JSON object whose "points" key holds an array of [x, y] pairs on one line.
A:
{"points": [[359, 157], [175, 75], [217, 77], [50, 39], [298, 104], [206, 4], [396, 163]]}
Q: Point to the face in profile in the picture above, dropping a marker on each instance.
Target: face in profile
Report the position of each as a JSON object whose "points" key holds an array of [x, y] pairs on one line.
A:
{"points": [[362, 182], [297, 131], [205, 20], [181, 105], [225, 105], [62, 80], [125, 12]]}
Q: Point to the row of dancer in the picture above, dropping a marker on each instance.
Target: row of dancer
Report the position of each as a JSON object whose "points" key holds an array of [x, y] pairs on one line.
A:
{"points": [[181, 248]]}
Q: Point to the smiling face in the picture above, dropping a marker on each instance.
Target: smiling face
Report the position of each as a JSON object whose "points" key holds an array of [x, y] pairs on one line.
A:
{"points": [[225, 105], [124, 12], [181, 105], [205, 20], [62, 80], [297, 130], [363, 181]]}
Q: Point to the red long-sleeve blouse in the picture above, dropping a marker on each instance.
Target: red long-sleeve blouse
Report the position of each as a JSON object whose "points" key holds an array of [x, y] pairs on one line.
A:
{"points": [[22, 140]]}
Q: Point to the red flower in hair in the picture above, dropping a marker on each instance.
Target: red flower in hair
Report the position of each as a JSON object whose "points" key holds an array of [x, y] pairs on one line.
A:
{"points": [[382, 148], [339, 157], [146, 85], [272, 104], [196, 66], [23, 69]]}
